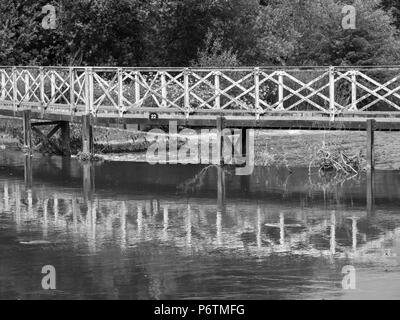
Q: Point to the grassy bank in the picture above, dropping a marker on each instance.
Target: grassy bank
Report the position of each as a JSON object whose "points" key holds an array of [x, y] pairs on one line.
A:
{"points": [[272, 148], [106, 140]]}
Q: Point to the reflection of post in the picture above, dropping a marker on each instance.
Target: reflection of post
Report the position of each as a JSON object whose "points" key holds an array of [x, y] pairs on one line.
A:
{"points": [[333, 233], [221, 203], [45, 217], [281, 225], [88, 181], [6, 197], [282, 229], [219, 227], [17, 197], [165, 223], [221, 186], [354, 232], [74, 214], [55, 209], [66, 165], [91, 218], [94, 219], [245, 183], [28, 171], [259, 227], [370, 193], [189, 226], [30, 204], [123, 224], [140, 219], [155, 204]]}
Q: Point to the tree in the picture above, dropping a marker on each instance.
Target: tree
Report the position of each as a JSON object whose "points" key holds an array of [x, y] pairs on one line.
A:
{"points": [[393, 7], [323, 40], [20, 32]]}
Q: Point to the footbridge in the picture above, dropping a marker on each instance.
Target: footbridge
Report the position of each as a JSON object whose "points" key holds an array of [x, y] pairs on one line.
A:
{"points": [[317, 98]]}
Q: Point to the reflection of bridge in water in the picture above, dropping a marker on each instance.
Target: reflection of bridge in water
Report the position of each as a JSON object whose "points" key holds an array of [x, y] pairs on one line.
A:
{"points": [[201, 223]]}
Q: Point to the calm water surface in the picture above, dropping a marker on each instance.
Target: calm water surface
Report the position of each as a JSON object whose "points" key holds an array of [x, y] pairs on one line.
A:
{"points": [[136, 231]]}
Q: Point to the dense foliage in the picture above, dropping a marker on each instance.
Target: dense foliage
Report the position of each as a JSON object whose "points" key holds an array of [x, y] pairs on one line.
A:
{"points": [[193, 32]]}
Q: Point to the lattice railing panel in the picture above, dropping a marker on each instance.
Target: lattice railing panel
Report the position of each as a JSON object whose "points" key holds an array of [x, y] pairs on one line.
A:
{"points": [[244, 91]]}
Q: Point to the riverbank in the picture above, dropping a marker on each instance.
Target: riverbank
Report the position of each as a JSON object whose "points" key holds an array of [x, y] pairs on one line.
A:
{"points": [[293, 148]]}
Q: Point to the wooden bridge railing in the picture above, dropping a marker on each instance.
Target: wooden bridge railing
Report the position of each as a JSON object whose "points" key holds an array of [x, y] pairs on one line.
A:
{"points": [[333, 91]]}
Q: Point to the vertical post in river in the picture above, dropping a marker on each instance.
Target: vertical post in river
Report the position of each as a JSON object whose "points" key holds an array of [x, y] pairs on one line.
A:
{"points": [[27, 129], [370, 144], [220, 137], [87, 134]]}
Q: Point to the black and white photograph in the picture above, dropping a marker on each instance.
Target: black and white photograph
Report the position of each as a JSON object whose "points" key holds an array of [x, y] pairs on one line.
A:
{"points": [[199, 150]]}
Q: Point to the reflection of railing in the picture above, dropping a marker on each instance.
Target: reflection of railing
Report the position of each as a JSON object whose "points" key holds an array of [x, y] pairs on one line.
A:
{"points": [[198, 226], [251, 91]]}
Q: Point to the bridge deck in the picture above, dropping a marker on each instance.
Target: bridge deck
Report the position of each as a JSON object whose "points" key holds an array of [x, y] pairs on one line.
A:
{"points": [[307, 122]]}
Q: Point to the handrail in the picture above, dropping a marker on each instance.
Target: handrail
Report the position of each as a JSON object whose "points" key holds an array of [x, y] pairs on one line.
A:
{"points": [[253, 91]]}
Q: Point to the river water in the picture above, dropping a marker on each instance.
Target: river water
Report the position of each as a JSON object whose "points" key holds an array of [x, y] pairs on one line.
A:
{"points": [[120, 230]]}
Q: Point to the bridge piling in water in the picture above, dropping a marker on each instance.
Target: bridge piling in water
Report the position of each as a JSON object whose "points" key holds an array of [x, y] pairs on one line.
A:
{"points": [[87, 135], [244, 137], [28, 175], [370, 144], [27, 129], [65, 138], [220, 137], [370, 193]]}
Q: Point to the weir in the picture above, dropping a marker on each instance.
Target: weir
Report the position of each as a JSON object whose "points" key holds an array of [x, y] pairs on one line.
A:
{"points": [[309, 98]]}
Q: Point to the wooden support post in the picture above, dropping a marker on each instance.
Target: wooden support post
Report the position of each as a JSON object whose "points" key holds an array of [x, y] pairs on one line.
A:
{"points": [[370, 193], [370, 144], [27, 129], [65, 139], [236, 146], [244, 143], [220, 137], [87, 134]]}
